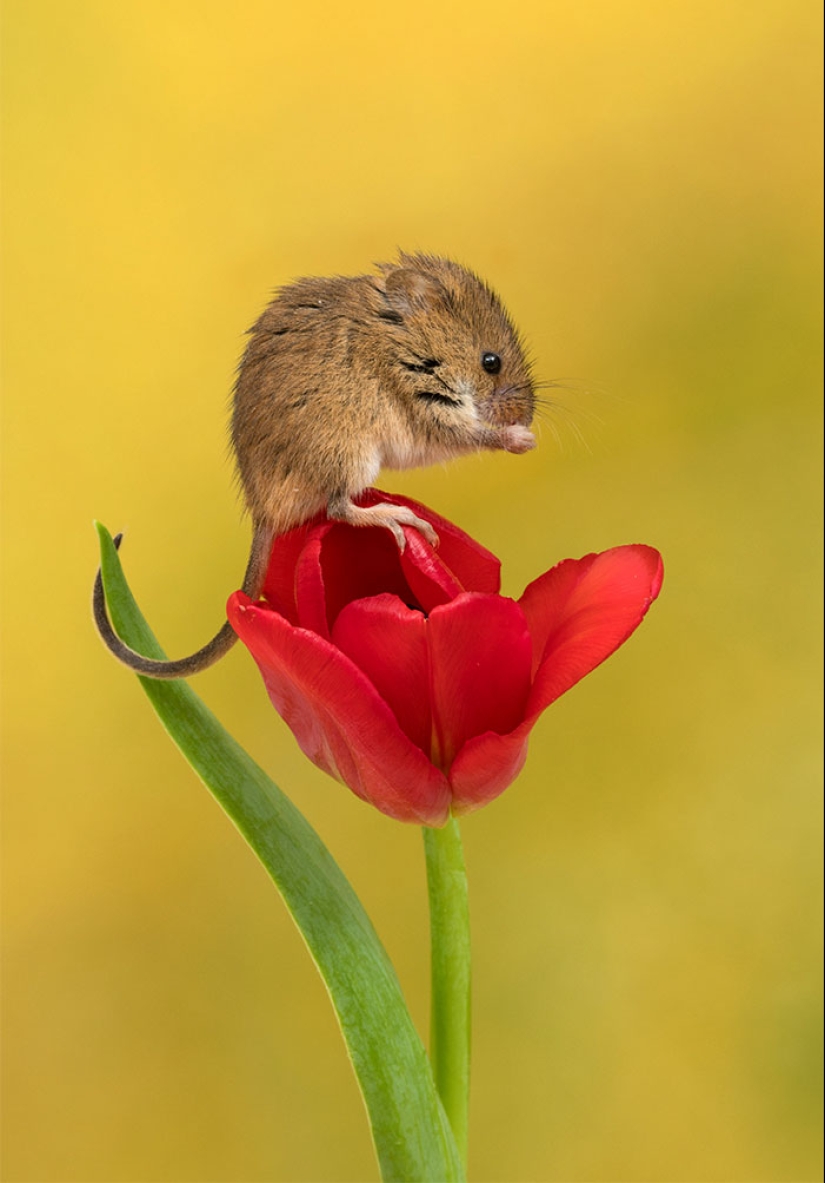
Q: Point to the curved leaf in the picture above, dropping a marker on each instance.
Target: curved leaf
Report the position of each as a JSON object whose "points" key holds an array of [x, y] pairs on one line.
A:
{"points": [[412, 1137]]}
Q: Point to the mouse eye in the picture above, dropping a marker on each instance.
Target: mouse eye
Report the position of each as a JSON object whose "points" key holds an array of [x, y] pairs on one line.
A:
{"points": [[491, 362]]}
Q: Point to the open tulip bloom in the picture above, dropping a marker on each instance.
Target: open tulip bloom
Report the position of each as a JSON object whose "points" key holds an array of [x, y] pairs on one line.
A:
{"points": [[410, 678]]}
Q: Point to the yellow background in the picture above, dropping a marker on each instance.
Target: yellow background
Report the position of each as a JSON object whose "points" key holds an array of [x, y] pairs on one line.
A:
{"points": [[640, 182]]}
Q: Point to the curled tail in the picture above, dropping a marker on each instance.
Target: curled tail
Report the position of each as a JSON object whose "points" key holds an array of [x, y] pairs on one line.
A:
{"points": [[220, 644]]}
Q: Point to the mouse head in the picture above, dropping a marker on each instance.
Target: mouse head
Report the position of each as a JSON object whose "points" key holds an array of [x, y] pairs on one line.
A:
{"points": [[452, 342]]}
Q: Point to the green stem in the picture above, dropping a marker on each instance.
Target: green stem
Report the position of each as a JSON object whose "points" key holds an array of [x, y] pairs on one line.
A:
{"points": [[450, 975]]}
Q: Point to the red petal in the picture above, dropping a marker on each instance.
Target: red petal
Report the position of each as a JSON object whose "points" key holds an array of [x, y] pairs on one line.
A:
{"points": [[486, 766], [338, 718], [360, 561], [473, 566], [582, 611], [431, 581], [279, 586], [480, 669], [310, 590], [579, 613], [388, 642]]}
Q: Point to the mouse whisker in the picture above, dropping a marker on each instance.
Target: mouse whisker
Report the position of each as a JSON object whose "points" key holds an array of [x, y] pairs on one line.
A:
{"points": [[551, 412]]}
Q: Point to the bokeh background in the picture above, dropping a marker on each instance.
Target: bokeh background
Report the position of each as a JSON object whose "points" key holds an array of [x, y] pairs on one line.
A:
{"points": [[640, 181]]}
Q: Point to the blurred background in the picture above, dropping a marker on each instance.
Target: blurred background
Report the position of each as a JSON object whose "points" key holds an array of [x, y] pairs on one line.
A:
{"points": [[640, 182]]}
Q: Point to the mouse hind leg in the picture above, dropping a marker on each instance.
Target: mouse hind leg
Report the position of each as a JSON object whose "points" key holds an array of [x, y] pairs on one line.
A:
{"points": [[391, 517]]}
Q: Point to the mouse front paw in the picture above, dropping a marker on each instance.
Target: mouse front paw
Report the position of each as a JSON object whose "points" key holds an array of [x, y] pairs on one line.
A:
{"points": [[517, 438]]}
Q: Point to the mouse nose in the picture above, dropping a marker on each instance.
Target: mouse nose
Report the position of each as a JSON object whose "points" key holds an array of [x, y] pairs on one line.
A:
{"points": [[508, 406], [515, 404]]}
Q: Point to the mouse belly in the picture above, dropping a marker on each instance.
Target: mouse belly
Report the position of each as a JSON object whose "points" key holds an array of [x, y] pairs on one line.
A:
{"points": [[409, 453]]}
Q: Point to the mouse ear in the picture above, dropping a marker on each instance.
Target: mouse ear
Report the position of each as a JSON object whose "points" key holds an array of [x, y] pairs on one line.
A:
{"points": [[409, 290]]}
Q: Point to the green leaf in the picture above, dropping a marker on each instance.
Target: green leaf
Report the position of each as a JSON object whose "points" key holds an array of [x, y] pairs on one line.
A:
{"points": [[412, 1137]]}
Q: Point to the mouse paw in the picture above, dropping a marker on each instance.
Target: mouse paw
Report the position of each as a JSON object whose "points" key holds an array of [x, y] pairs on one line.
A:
{"points": [[517, 438], [391, 517]]}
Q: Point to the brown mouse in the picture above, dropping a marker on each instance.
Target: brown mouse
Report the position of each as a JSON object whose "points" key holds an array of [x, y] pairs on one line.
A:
{"points": [[411, 366]]}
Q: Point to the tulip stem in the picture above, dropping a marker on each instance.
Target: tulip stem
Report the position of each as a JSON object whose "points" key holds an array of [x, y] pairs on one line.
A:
{"points": [[450, 975]]}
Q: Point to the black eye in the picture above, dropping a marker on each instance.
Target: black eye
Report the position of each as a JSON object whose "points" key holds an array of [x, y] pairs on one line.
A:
{"points": [[491, 362]]}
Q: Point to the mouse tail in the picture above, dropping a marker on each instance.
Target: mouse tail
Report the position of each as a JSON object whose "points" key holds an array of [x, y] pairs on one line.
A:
{"points": [[220, 644]]}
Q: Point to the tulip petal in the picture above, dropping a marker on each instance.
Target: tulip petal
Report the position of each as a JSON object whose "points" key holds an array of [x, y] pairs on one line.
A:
{"points": [[473, 566], [432, 582], [355, 562], [279, 585], [579, 613], [486, 766], [388, 642], [480, 655], [582, 611], [310, 590], [339, 719]]}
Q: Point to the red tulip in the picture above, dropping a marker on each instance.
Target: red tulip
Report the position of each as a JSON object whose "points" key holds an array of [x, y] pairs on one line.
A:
{"points": [[407, 676]]}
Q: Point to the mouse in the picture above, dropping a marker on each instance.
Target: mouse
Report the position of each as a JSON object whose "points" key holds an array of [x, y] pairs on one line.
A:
{"points": [[411, 365]]}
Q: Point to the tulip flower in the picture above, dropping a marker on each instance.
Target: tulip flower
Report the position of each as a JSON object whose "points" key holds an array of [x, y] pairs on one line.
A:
{"points": [[407, 675]]}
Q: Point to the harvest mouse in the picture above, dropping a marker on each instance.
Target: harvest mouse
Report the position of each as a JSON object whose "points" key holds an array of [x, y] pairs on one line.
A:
{"points": [[413, 365]]}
